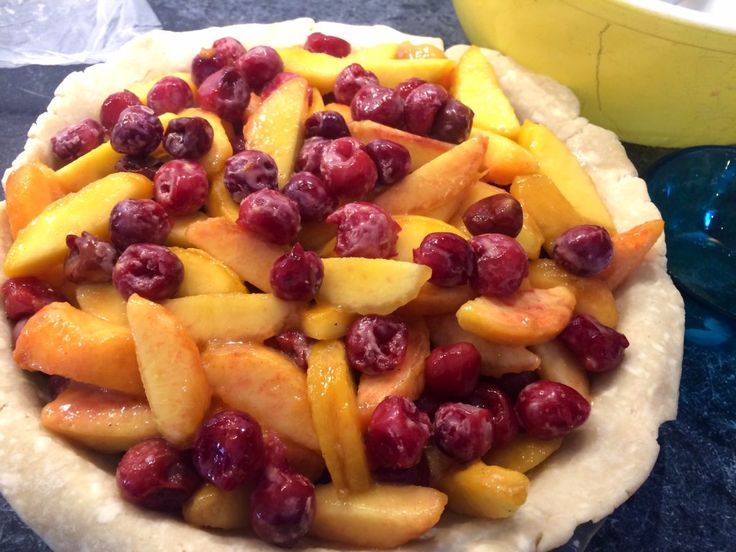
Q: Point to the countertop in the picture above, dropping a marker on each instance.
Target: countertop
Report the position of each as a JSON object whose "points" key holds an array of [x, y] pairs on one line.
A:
{"points": [[688, 502]]}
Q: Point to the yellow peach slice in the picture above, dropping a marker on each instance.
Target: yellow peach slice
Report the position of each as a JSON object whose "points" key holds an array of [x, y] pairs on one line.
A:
{"points": [[90, 167], [214, 160], [29, 190], [319, 69], [314, 235], [318, 103], [217, 509], [342, 109], [103, 301], [505, 159], [391, 72], [303, 460], [205, 274], [629, 250], [527, 317], [379, 51], [523, 453], [558, 364], [434, 300], [219, 201], [414, 228], [326, 321], [177, 236], [407, 50]]}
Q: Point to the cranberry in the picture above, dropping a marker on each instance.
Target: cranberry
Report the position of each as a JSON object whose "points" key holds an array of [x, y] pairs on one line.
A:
{"points": [[547, 409], [138, 221], [501, 265], [146, 165], [151, 271], [397, 434], [137, 132], [297, 275], [228, 450], [277, 81], [404, 88], [497, 214], [364, 230], [448, 255], [453, 122], [295, 344], [347, 169], [392, 160], [462, 431], [56, 384], [310, 156], [271, 215], [598, 347], [282, 507], [228, 50], [512, 383], [170, 95], [204, 64], [24, 296], [326, 44], [503, 416], [76, 140], [259, 65], [114, 105], [376, 344], [421, 107], [416, 475], [90, 259], [237, 142], [249, 171], [326, 124], [584, 250], [15, 335], [452, 371], [188, 137], [275, 452], [379, 104], [225, 93], [312, 197], [154, 475], [350, 80], [181, 187]]}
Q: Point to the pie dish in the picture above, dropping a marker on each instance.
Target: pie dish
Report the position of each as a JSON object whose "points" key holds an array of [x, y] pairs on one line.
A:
{"points": [[70, 498]]}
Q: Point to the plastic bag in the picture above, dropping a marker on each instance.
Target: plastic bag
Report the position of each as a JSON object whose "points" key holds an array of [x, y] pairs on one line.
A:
{"points": [[62, 32]]}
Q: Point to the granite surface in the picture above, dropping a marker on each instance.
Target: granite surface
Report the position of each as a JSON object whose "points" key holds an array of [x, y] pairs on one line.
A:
{"points": [[689, 501]]}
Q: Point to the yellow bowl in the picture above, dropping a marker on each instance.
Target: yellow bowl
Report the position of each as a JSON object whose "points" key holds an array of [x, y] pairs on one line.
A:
{"points": [[654, 73]]}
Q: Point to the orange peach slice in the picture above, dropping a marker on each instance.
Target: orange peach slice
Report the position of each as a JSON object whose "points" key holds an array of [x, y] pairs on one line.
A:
{"points": [[629, 250], [205, 274], [214, 160], [177, 236], [505, 159], [103, 301], [407, 50], [559, 365], [523, 453], [433, 300], [342, 109], [90, 167], [326, 321], [217, 509], [29, 190]]}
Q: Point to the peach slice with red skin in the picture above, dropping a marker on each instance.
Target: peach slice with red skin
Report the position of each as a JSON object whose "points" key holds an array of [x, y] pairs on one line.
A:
{"points": [[29, 190], [629, 250]]}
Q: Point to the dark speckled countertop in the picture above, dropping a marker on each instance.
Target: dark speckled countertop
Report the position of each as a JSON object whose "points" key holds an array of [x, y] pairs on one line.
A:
{"points": [[688, 502]]}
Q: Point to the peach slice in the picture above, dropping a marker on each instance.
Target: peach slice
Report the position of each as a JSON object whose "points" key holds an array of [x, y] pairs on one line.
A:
{"points": [[90, 167], [217, 509], [177, 236], [497, 359], [407, 50], [527, 317], [314, 235], [277, 127], [505, 159], [319, 69], [232, 316], [474, 83], [103, 301], [326, 321], [219, 201], [29, 190], [629, 250], [170, 367], [141, 88], [439, 183], [384, 517], [100, 419], [303, 460], [214, 160], [433, 300], [379, 51], [42, 244], [370, 286], [407, 379], [559, 365], [342, 109], [559, 164], [248, 255], [318, 102], [335, 415], [391, 72], [414, 228], [63, 341], [205, 274], [264, 383], [523, 453]]}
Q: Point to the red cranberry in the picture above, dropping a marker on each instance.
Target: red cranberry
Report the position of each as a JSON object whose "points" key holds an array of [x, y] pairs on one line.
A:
{"points": [[513, 383], [15, 335], [151, 271], [448, 255], [228, 50], [24, 296], [228, 450], [500, 265], [76, 140], [452, 371], [416, 475], [598, 347], [453, 122], [146, 165], [282, 507], [188, 137], [271, 215], [138, 221], [310, 156], [295, 344], [237, 142], [547, 409], [271, 86], [170, 95], [364, 230], [248, 172], [392, 160], [397, 434], [379, 104], [584, 250], [297, 275], [90, 259], [137, 132], [181, 186], [225, 93], [326, 44], [154, 475], [462, 431], [421, 107], [403, 89], [347, 169], [114, 105], [326, 124], [275, 452], [376, 344], [503, 416], [204, 64], [312, 197], [497, 214], [259, 65], [350, 80]]}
